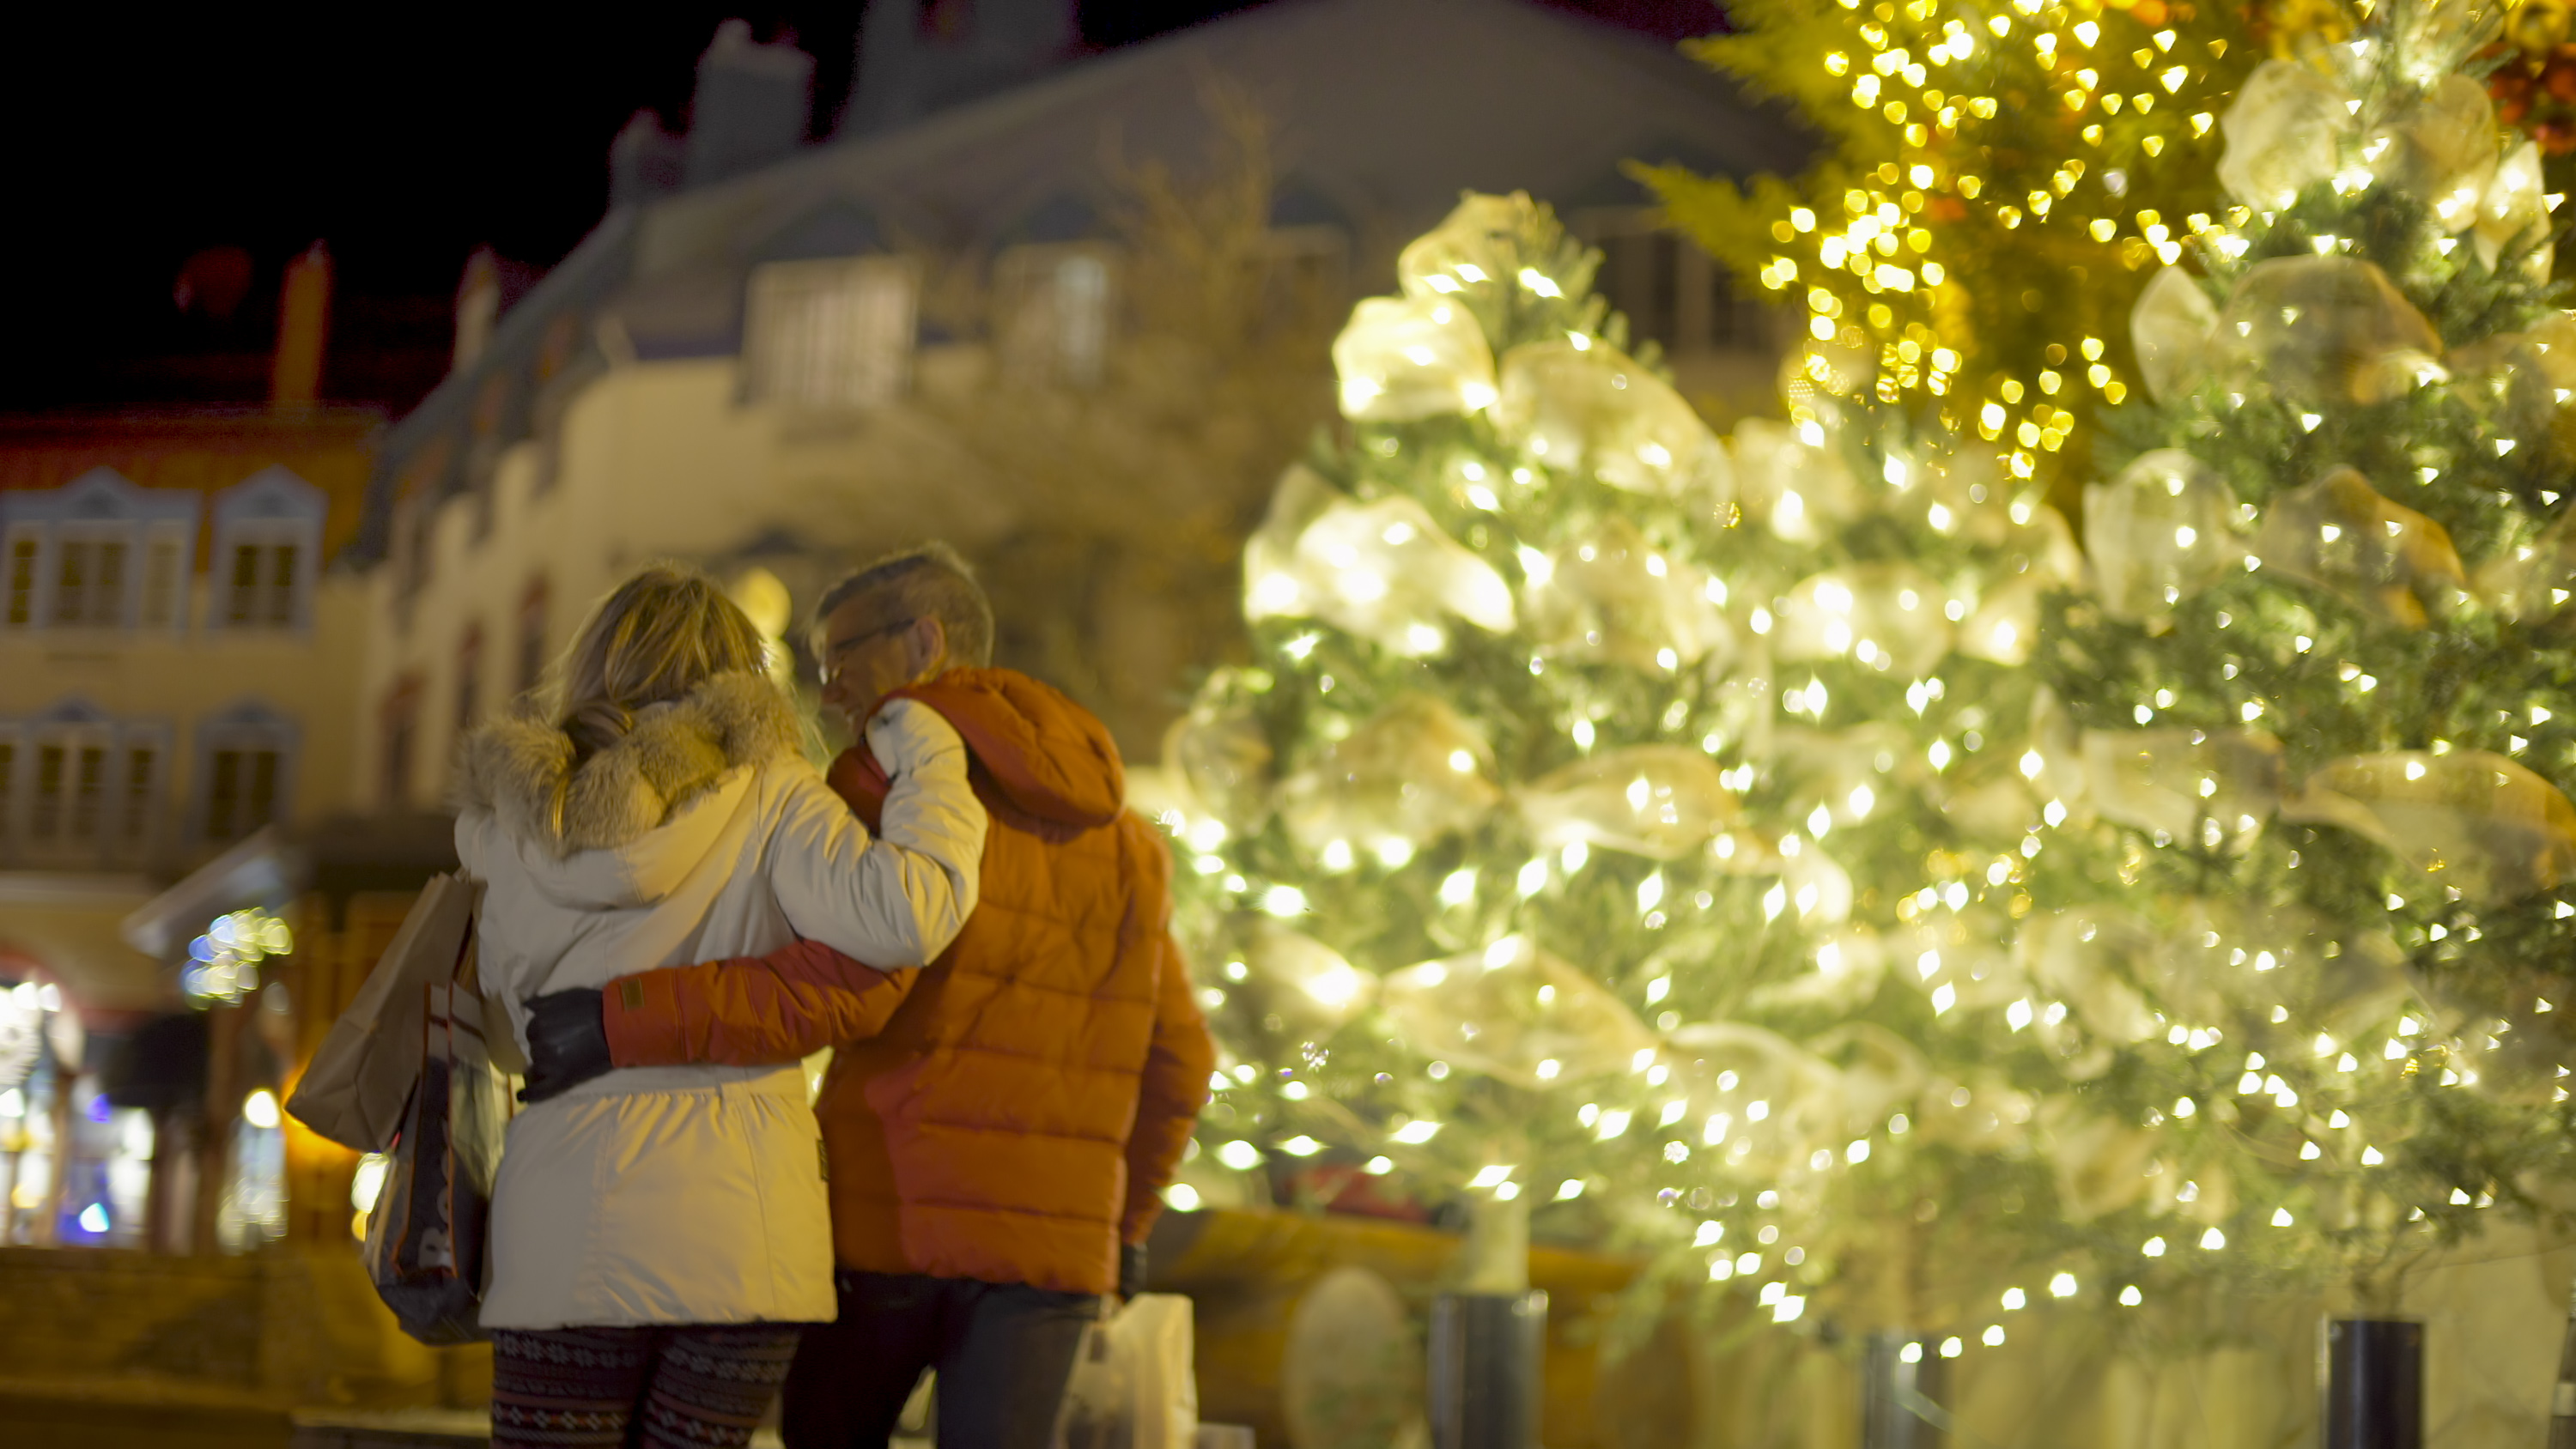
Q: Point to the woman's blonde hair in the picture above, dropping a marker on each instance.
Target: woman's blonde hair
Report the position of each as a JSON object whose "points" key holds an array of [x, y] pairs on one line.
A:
{"points": [[658, 636]]}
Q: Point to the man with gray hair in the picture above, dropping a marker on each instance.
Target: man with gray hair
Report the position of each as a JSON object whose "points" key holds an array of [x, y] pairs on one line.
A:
{"points": [[997, 1126]]}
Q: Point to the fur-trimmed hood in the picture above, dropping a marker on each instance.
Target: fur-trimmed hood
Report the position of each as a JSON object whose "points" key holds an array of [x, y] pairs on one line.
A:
{"points": [[520, 768]]}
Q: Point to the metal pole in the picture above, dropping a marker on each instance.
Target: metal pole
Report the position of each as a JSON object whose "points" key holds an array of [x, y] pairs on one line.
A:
{"points": [[1900, 1376], [2562, 1403], [1487, 1353], [2374, 1384]]}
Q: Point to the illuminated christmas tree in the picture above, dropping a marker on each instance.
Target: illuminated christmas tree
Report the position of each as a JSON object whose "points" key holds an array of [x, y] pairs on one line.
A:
{"points": [[1997, 179], [1630, 828], [2324, 688]]}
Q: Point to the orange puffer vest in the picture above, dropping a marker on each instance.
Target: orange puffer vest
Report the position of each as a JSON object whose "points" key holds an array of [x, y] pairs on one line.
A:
{"points": [[1021, 1111]]}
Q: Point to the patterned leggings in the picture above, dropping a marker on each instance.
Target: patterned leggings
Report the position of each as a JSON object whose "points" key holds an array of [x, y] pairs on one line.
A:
{"points": [[678, 1387]]}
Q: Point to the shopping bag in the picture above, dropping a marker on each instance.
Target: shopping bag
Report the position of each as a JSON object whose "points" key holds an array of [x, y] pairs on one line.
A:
{"points": [[1134, 1385], [360, 1080], [426, 1249]]}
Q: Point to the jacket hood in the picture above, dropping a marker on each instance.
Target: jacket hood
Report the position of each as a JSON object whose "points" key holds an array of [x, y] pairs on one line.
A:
{"points": [[1040, 752], [520, 768]]}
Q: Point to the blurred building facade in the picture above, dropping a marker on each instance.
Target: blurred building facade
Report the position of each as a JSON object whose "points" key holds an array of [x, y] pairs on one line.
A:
{"points": [[177, 669], [747, 365]]}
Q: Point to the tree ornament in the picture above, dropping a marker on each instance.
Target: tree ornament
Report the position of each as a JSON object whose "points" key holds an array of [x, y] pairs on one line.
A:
{"points": [[2445, 27], [1658, 801], [1759, 1099], [1615, 597], [2381, 557], [2513, 206], [1220, 752], [2005, 623], [1880, 1072], [2537, 27], [1308, 981], [1812, 767], [2534, 582], [2323, 331], [2285, 132], [2471, 820], [1818, 889], [2172, 329], [1800, 490], [1513, 1012], [1890, 616], [1382, 570], [1414, 773], [2169, 781], [1585, 408], [2081, 957], [1477, 246], [2226, 956], [2043, 545], [2442, 149], [1989, 1116], [2162, 531], [1403, 359], [2100, 1162]]}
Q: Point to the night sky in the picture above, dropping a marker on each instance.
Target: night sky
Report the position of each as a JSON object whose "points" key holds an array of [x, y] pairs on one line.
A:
{"points": [[404, 136]]}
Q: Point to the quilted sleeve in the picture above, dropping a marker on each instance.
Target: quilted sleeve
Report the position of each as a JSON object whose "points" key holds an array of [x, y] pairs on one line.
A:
{"points": [[750, 1010], [1175, 1087]]}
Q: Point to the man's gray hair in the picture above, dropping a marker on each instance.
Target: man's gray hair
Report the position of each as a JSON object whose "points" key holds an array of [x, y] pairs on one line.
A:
{"points": [[926, 581]]}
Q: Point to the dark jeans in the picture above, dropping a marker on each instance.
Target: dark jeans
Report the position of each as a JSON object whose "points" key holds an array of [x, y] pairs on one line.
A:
{"points": [[1004, 1352]]}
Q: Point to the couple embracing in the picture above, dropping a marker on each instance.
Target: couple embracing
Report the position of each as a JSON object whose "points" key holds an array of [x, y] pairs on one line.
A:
{"points": [[680, 909]]}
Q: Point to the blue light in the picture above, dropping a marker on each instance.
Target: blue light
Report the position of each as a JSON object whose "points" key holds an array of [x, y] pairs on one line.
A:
{"points": [[98, 1109], [202, 949], [93, 1219]]}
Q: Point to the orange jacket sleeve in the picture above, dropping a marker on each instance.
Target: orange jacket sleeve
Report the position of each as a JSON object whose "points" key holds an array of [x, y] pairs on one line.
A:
{"points": [[1175, 1087], [750, 1010]]}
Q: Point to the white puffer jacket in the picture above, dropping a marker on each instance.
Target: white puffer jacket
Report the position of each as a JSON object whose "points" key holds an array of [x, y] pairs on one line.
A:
{"points": [[690, 1194]]}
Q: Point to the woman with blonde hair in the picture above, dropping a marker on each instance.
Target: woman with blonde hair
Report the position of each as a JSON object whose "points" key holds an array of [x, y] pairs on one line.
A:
{"points": [[659, 1233]]}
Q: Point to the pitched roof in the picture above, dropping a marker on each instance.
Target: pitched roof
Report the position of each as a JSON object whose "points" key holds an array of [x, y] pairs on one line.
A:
{"points": [[1384, 110]]}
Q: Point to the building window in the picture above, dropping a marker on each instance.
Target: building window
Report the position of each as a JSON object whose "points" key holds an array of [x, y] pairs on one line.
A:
{"points": [[164, 581], [532, 638], [399, 723], [26, 551], [469, 679], [45, 817], [135, 795], [1305, 275], [1672, 293], [245, 765], [260, 586], [83, 556], [75, 783], [241, 792], [832, 333], [1055, 312], [268, 536], [89, 581], [89, 793]]}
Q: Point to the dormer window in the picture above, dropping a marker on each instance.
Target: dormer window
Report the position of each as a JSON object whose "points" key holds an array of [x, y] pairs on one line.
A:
{"points": [[259, 587], [97, 553], [833, 333], [1672, 293], [89, 577], [1055, 311], [25, 557], [268, 536]]}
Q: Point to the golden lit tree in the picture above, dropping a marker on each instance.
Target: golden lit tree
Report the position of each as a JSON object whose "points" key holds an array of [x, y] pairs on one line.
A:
{"points": [[1997, 179]]}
